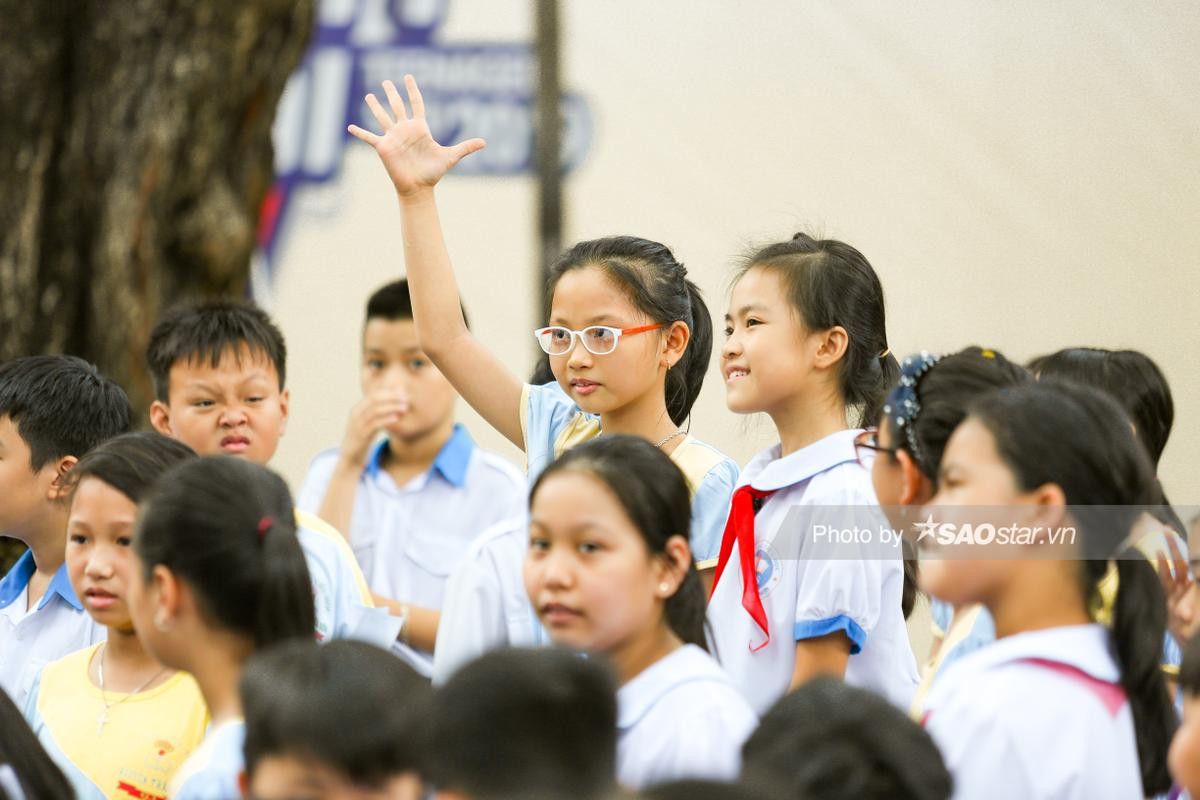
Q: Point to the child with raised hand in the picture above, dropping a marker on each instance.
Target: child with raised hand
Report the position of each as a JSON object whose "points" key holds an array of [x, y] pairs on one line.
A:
{"points": [[341, 720], [830, 741], [629, 336], [917, 420], [806, 343], [1060, 705], [116, 720], [53, 409], [522, 723], [610, 573], [220, 575], [412, 500], [219, 370]]}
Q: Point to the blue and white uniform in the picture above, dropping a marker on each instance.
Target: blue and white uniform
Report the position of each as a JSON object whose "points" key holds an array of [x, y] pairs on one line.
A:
{"points": [[1037, 715], [806, 593], [681, 718], [30, 638], [212, 770], [552, 424], [408, 539]]}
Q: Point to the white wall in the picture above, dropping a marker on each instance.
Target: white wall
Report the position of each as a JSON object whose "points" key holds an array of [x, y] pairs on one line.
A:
{"points": [[1023, 175]]}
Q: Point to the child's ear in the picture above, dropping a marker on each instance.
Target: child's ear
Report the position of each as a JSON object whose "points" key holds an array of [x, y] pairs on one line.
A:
{"points": [[677, 558], [59, 488], [170, 598], [917, 488], [1050, 506], [285, 398], [160, 418], [674, 343], [831, 346]]}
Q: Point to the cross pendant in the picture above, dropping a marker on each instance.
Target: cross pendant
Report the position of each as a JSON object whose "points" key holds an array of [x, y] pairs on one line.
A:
{"points": [[101, 722]]}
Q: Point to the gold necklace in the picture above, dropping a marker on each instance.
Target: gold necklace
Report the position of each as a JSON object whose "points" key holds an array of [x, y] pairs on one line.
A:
{"points": [[102, 720]]}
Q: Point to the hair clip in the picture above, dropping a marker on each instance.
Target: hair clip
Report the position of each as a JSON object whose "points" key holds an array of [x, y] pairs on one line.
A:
{"points": [[885, 353], [902, 405], [264, 525]]}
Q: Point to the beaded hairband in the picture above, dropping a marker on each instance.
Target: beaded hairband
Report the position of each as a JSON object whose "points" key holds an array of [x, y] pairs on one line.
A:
{"points": [[902, 404]]}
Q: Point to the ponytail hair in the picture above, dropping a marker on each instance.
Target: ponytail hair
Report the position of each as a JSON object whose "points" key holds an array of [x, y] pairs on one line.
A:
{"points": [[657, 285], [227, 529], [655, 495], [829, 283], [1077, 437]]}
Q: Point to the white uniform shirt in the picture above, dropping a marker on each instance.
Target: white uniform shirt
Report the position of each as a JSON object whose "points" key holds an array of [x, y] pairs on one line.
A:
{"points": [[681, 718], [1037, 715], [30, 639], [805, 591], [408, 539], [486, 606], [212, 770]]}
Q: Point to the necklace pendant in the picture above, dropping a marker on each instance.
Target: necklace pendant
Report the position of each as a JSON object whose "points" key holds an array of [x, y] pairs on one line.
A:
{"points": [[101, 721]]}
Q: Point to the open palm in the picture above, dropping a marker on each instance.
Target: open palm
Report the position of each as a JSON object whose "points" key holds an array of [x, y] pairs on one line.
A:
{"points": [[414, 161]]}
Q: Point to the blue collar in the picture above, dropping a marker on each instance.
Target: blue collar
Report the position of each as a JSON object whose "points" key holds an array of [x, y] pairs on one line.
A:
{"points": [[451, 461], [18, 577]]}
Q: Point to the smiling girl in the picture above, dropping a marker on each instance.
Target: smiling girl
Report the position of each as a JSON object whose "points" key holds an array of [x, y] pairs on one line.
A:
{"points": [[609, 573], [115, 719]]}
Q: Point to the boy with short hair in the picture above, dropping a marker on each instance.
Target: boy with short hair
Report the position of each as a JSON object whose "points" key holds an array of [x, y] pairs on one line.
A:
{"points": [[218, 369], [412, 500], [53, 410]]}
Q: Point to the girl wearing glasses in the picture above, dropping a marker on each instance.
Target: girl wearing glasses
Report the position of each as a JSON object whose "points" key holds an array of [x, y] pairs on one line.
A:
{"points": [[806, 342], [629, 336]]}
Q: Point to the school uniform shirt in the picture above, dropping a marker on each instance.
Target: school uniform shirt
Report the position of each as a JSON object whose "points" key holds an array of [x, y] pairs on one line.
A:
{"points": [[679, 718], [1037, 715], [408, 539], [804, 592], [342, 601], [551, 424], [961, 636], [32, 638], [143, 741], [212, 770], [486, 606]]}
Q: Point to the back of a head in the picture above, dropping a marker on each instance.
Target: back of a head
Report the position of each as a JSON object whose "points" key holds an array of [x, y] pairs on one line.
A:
{"points": [[227, 528], [710, 790], [1130, 377], [347, 705], [655, 496], [525, 723], [209, 331], [132, 462], [656, 284], [61, 405], [23, 762], [829, 283], [830, 741], [944, 392]]}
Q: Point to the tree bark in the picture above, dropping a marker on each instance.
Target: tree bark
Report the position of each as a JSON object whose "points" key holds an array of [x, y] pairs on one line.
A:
{"points": [[135, 150]]}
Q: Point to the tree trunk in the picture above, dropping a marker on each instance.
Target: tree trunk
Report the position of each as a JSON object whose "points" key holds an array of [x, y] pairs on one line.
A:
{"points": [[135, 150]]}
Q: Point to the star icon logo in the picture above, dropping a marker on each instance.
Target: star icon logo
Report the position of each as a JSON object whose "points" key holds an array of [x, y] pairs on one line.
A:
{"points": [[925, 528]]}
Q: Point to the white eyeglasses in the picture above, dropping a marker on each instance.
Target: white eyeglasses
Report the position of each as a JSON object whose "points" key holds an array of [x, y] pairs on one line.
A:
{"points": [[600, 340]]}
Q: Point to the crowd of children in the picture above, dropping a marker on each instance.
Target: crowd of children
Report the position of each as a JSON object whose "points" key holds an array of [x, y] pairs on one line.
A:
{"points": [[634, 616]]}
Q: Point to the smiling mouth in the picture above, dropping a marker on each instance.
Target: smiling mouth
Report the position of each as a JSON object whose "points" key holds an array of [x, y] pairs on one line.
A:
{"points": [[736, 373]]}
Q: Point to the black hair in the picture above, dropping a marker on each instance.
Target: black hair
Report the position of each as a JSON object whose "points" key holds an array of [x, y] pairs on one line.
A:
{"points": [[131, 462], [393, 301], [1074, 436], [707, 790], [1134, 381], [657, 285], [208, 331], [833, 741], [348, 705], [20, 749], [829, 283], [1189, 670], [655, 496], [61, 406], [227, 528], [525, 723]]}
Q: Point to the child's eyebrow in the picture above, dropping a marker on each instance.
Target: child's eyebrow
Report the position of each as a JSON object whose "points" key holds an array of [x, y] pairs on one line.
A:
{"points": [[746, 309]]}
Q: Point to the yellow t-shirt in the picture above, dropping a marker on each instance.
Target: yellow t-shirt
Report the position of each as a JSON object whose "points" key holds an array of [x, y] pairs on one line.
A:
{"points": [[145, 738]]}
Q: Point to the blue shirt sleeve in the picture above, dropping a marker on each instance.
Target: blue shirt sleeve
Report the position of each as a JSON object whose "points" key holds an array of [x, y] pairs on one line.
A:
{"points": [[548, 410], [710, 509]]}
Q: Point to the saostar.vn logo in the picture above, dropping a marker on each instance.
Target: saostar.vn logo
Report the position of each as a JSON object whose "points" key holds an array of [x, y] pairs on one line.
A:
{"points": [[947, 534]]}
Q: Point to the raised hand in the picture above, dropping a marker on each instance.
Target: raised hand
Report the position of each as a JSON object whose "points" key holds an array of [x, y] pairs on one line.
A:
{"points": [[1179, 589], [414, 161]]}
